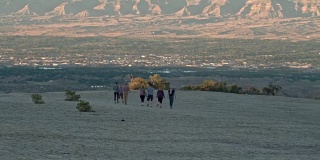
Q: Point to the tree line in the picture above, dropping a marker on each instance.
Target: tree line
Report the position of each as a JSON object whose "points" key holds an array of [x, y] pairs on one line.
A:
{"points": [[207, 85], [214, 86]]}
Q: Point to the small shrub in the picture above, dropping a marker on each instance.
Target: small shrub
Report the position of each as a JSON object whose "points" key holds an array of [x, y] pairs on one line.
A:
{"points": [[37, 99], [234, 89], [271, 89], [71, 96], [252, 90], [137, 83], [84, 106], [159, 82]]}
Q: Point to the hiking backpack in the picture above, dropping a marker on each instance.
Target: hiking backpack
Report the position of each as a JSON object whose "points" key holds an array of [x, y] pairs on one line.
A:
{"points": [[160, 94], [142, 92]]}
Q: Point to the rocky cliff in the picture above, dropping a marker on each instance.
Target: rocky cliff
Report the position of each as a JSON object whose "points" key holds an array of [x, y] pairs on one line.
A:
{"points": [[308, 7], [262, 9], [213, 8], [267, 19]]}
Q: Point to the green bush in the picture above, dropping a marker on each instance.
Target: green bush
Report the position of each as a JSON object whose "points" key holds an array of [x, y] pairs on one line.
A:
{"points": [[252, 90], [271, 89], [234, 89], [71, 96], [208, 85], [188, 87], [84, 106], [37, 99]]}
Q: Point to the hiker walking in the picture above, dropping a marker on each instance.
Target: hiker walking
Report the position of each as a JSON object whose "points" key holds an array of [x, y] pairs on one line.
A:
{"points": [[121, 94], [126, 91], [150, 95], [116, 93], [142, 95], [172, 96], [160, 96]]}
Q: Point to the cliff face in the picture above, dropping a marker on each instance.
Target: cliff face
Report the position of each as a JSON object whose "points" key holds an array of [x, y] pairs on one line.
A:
{"points": [[211, 8], [214, 7], [311, 7], [262, 9], [82, 14], [146, 7], [24, 11], [59, 10], [295, 19]]}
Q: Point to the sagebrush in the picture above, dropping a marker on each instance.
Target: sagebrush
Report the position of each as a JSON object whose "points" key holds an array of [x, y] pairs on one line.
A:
{"points": [[84, 106], [71, 96], [37, 99]]}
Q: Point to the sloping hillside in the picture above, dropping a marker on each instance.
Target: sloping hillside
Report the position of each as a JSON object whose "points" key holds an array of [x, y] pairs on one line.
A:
{"points": [[208, 126]]}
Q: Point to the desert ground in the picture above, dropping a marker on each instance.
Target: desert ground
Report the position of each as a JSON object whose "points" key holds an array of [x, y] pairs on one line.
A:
{"points": [[202, 125]]}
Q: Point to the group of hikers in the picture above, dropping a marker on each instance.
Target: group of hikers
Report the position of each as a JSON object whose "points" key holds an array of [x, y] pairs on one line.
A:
{"points": [[121, 92]]}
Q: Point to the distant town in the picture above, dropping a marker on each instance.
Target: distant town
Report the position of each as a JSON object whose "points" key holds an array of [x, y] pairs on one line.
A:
{"points": [[151, 60], [66, 52]]}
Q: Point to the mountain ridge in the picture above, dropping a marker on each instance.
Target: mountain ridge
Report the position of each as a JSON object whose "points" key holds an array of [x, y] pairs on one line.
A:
{"points": [[215, 8], [263, 19]]}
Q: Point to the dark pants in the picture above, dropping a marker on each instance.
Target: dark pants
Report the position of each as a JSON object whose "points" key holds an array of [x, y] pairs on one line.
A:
{"points": [[160, 99], [120, 96], [171, 101], [142, 97], [150, 97], [116, 96]]}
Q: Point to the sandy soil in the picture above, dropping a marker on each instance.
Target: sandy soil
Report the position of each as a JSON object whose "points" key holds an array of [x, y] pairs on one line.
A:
{"points": [[202, 125]]}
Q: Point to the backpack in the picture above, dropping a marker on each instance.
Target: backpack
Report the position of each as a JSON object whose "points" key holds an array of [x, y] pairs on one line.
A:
{"points": [[160, 93], [142, 92], [116, 88]]}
